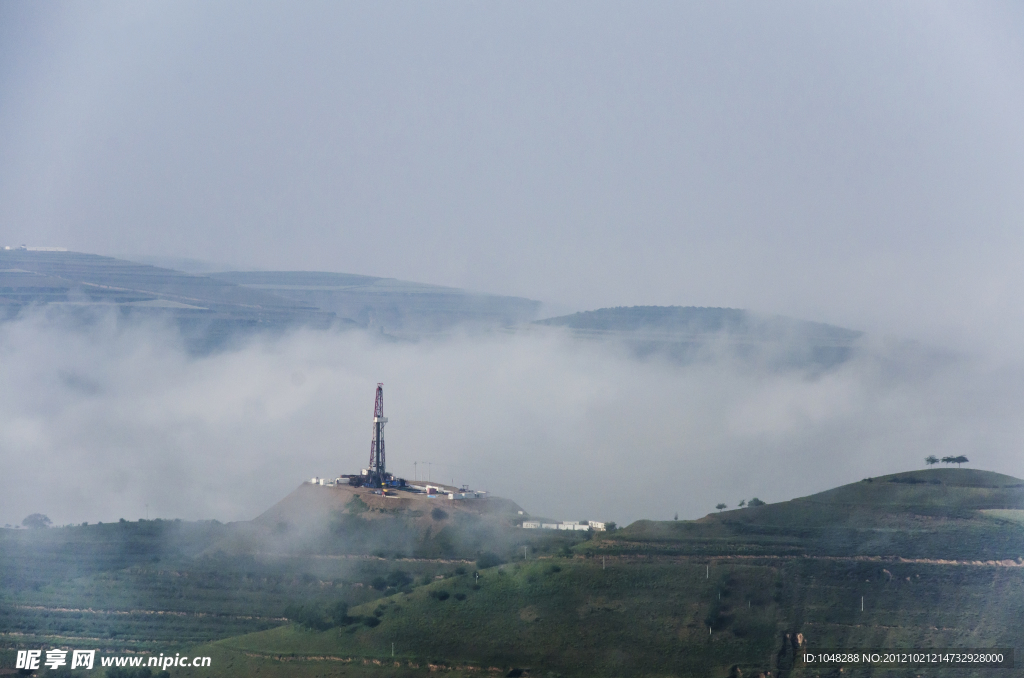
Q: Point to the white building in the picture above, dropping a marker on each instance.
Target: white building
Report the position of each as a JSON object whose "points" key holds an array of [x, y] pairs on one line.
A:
{"points": [[571, 525]]}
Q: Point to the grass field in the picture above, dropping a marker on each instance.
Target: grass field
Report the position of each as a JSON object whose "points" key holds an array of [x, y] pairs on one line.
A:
{"points": [[934, 558]]}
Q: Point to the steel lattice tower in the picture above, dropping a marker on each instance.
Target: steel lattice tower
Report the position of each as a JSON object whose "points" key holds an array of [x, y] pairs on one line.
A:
{"points": [[376, 476]]}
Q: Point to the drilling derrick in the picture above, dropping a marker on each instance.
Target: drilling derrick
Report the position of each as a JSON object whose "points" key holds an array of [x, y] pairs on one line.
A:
{"points": [[377, 476]]}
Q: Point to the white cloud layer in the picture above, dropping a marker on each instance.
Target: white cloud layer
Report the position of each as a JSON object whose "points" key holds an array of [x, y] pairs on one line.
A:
{"points": [[96, 424]]}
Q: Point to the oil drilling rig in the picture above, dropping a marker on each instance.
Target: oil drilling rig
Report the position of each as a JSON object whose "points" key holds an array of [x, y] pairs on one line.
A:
{"points": [[375, 475]]}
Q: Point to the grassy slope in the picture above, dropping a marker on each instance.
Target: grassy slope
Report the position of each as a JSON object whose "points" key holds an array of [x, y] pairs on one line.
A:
{"points": [[636, 602], [146, 584], [940, 513], [562, 615], [648, 610]]}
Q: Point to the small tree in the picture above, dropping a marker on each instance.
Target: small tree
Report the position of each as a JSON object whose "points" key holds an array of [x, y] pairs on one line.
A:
{"points": [[755, 502], [743, 502], [931, 460], [960, 460], [677, 517], [488, 559], [36, 520], [720, 506]]}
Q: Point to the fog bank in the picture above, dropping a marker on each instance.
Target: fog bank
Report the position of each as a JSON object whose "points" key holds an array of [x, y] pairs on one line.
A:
{"points": [[98, 423]]}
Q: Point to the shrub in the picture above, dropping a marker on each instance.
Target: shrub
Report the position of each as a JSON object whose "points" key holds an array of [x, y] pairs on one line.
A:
{"points": [[371, 621], [460, 596], [337, 613], [440, 595], [319, 618], [488, 559], [438, 514], [398, 579], [310, 616]]}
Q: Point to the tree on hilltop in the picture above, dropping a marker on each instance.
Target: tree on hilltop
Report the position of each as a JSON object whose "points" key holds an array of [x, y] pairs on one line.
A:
{"points": [[755, 502], [955, 460], [931, 459], [743, 502], [36, 520], [721, 506]]}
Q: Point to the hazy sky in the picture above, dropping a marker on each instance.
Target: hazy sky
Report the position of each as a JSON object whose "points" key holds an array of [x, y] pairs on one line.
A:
{"points": [[860, 163]]}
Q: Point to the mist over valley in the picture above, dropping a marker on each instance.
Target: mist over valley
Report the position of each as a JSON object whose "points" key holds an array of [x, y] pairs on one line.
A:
{"points": [[693, 331]]}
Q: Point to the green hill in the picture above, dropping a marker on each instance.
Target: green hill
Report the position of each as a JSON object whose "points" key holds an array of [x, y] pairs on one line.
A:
{"points": [[933, 556], [958, 514], [327, 581]]}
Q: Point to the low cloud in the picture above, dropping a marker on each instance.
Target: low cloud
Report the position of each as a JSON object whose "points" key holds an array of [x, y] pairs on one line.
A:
{"points": [[106, 421]]}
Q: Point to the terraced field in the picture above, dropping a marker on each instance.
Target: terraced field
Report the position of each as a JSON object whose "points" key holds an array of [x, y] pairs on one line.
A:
{"points": [[918, 560]]}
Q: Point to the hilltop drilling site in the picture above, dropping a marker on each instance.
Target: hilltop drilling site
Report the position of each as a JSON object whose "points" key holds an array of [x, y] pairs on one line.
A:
{"points": [[375, 483]]}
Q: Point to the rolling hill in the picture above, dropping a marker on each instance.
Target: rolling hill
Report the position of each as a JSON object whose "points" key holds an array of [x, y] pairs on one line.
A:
{"points": [[692, 334], [933, 557], [398, 307], [212, 310]]}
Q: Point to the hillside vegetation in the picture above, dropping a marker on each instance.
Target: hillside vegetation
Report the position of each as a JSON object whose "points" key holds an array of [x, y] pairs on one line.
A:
{"points": [[925, 559], [928, 554]]}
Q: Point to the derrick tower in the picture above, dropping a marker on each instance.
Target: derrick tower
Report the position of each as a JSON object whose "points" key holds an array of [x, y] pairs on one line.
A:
{"points": [[377, 476]]}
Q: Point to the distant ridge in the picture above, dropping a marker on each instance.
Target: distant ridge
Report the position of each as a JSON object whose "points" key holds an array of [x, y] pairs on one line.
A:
{"points": [[209, 313], [397, 307], [212, 309], [698, 320], [687, 332]]}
